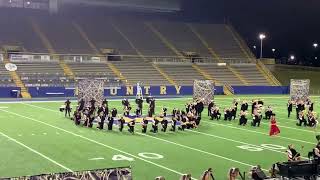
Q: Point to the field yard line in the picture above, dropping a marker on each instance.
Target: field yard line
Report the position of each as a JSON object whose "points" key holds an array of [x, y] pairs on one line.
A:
{"points": [[257, 132], [96, 142], [232, 140], [36, 152], [198, 150], [304, 130], [170, 143]]}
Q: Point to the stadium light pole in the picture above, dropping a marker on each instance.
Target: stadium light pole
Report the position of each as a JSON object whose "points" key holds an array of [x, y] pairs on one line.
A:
{"points": [[261, 37], [315, 45]]}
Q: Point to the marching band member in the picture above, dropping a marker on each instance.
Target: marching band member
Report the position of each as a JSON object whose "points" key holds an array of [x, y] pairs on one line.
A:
{"points": [[164, 124], [207, 175], [144, 125], [256, 118], [155, 125], [301, 119], [131, 125], [233, 173], [290, 104], [292, 154], [243, 120], [268, 113], [67, 109], [121, 124]]}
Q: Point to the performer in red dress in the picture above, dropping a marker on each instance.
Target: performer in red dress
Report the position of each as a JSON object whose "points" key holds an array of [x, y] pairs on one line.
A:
{"points": [[274, 130]]}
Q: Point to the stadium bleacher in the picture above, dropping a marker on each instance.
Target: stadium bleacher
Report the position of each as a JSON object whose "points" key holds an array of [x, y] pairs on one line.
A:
{"points": [[132, 37], [5, 79], [182, 37], [250, 73], [135, 70], [183, 74], [220, 39]]}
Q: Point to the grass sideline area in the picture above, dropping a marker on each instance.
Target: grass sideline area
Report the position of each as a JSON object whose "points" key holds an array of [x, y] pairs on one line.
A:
{"points": [[36, 138]]}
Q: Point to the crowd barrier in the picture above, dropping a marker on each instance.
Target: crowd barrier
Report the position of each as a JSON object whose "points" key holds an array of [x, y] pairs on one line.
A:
{"points": [[147, 90], [100, 174]]}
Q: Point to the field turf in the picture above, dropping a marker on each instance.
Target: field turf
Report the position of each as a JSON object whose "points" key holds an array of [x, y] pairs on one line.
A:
{"points": [[36, 138]]}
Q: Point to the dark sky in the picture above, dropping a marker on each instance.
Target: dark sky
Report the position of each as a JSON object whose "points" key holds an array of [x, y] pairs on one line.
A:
{"points": [[291, 26]]}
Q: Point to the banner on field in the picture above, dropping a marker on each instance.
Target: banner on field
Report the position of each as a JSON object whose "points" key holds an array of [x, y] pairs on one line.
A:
{"points": [[101, 174]]}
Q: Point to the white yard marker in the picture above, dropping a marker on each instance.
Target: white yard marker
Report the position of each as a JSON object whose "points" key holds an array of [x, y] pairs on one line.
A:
{"points": [[44, 133], [96, 159], [1, 107], [36, 152]]}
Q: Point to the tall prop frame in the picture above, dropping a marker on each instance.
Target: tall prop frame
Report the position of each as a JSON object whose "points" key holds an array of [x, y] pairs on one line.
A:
{"points": [[299, 89], [203, 90], [90, 88]]}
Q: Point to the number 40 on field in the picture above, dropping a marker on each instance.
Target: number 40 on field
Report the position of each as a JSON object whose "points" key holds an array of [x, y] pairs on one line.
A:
{"points": [[146, 155]]}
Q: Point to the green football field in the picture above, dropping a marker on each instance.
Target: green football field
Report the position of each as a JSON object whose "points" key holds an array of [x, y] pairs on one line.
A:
{"points": [[35, 138]]}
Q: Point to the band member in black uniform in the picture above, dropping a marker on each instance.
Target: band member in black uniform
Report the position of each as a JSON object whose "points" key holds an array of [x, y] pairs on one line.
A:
{"points": [[299, 107], [114, 113], [244, 106], [125, 102], [215, 113], [121, 124], [77, 117], [101, 117], [268, 113], [67, 109], [227, 114], [91, 116], [81, 105], [316, 153], [254, 105], [301, 119], [104, 103], [290, 104], [311, 106], [152, 105], [256, 119], [139, 103], [312, 122], [199, 107], [144, 125], [292, 154], [155, 126], [93, 104], [149, 112], [164, 124], [110, 122], [101, 109], [235, 104], [86, 116], [164, 112], [243, 119], [233, 113], [126, 111], [175, 117], [211, 104], [131, 125]]}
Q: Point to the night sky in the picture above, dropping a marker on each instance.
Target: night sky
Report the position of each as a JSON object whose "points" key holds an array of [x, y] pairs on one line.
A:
{"points": [[291, 26]]}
